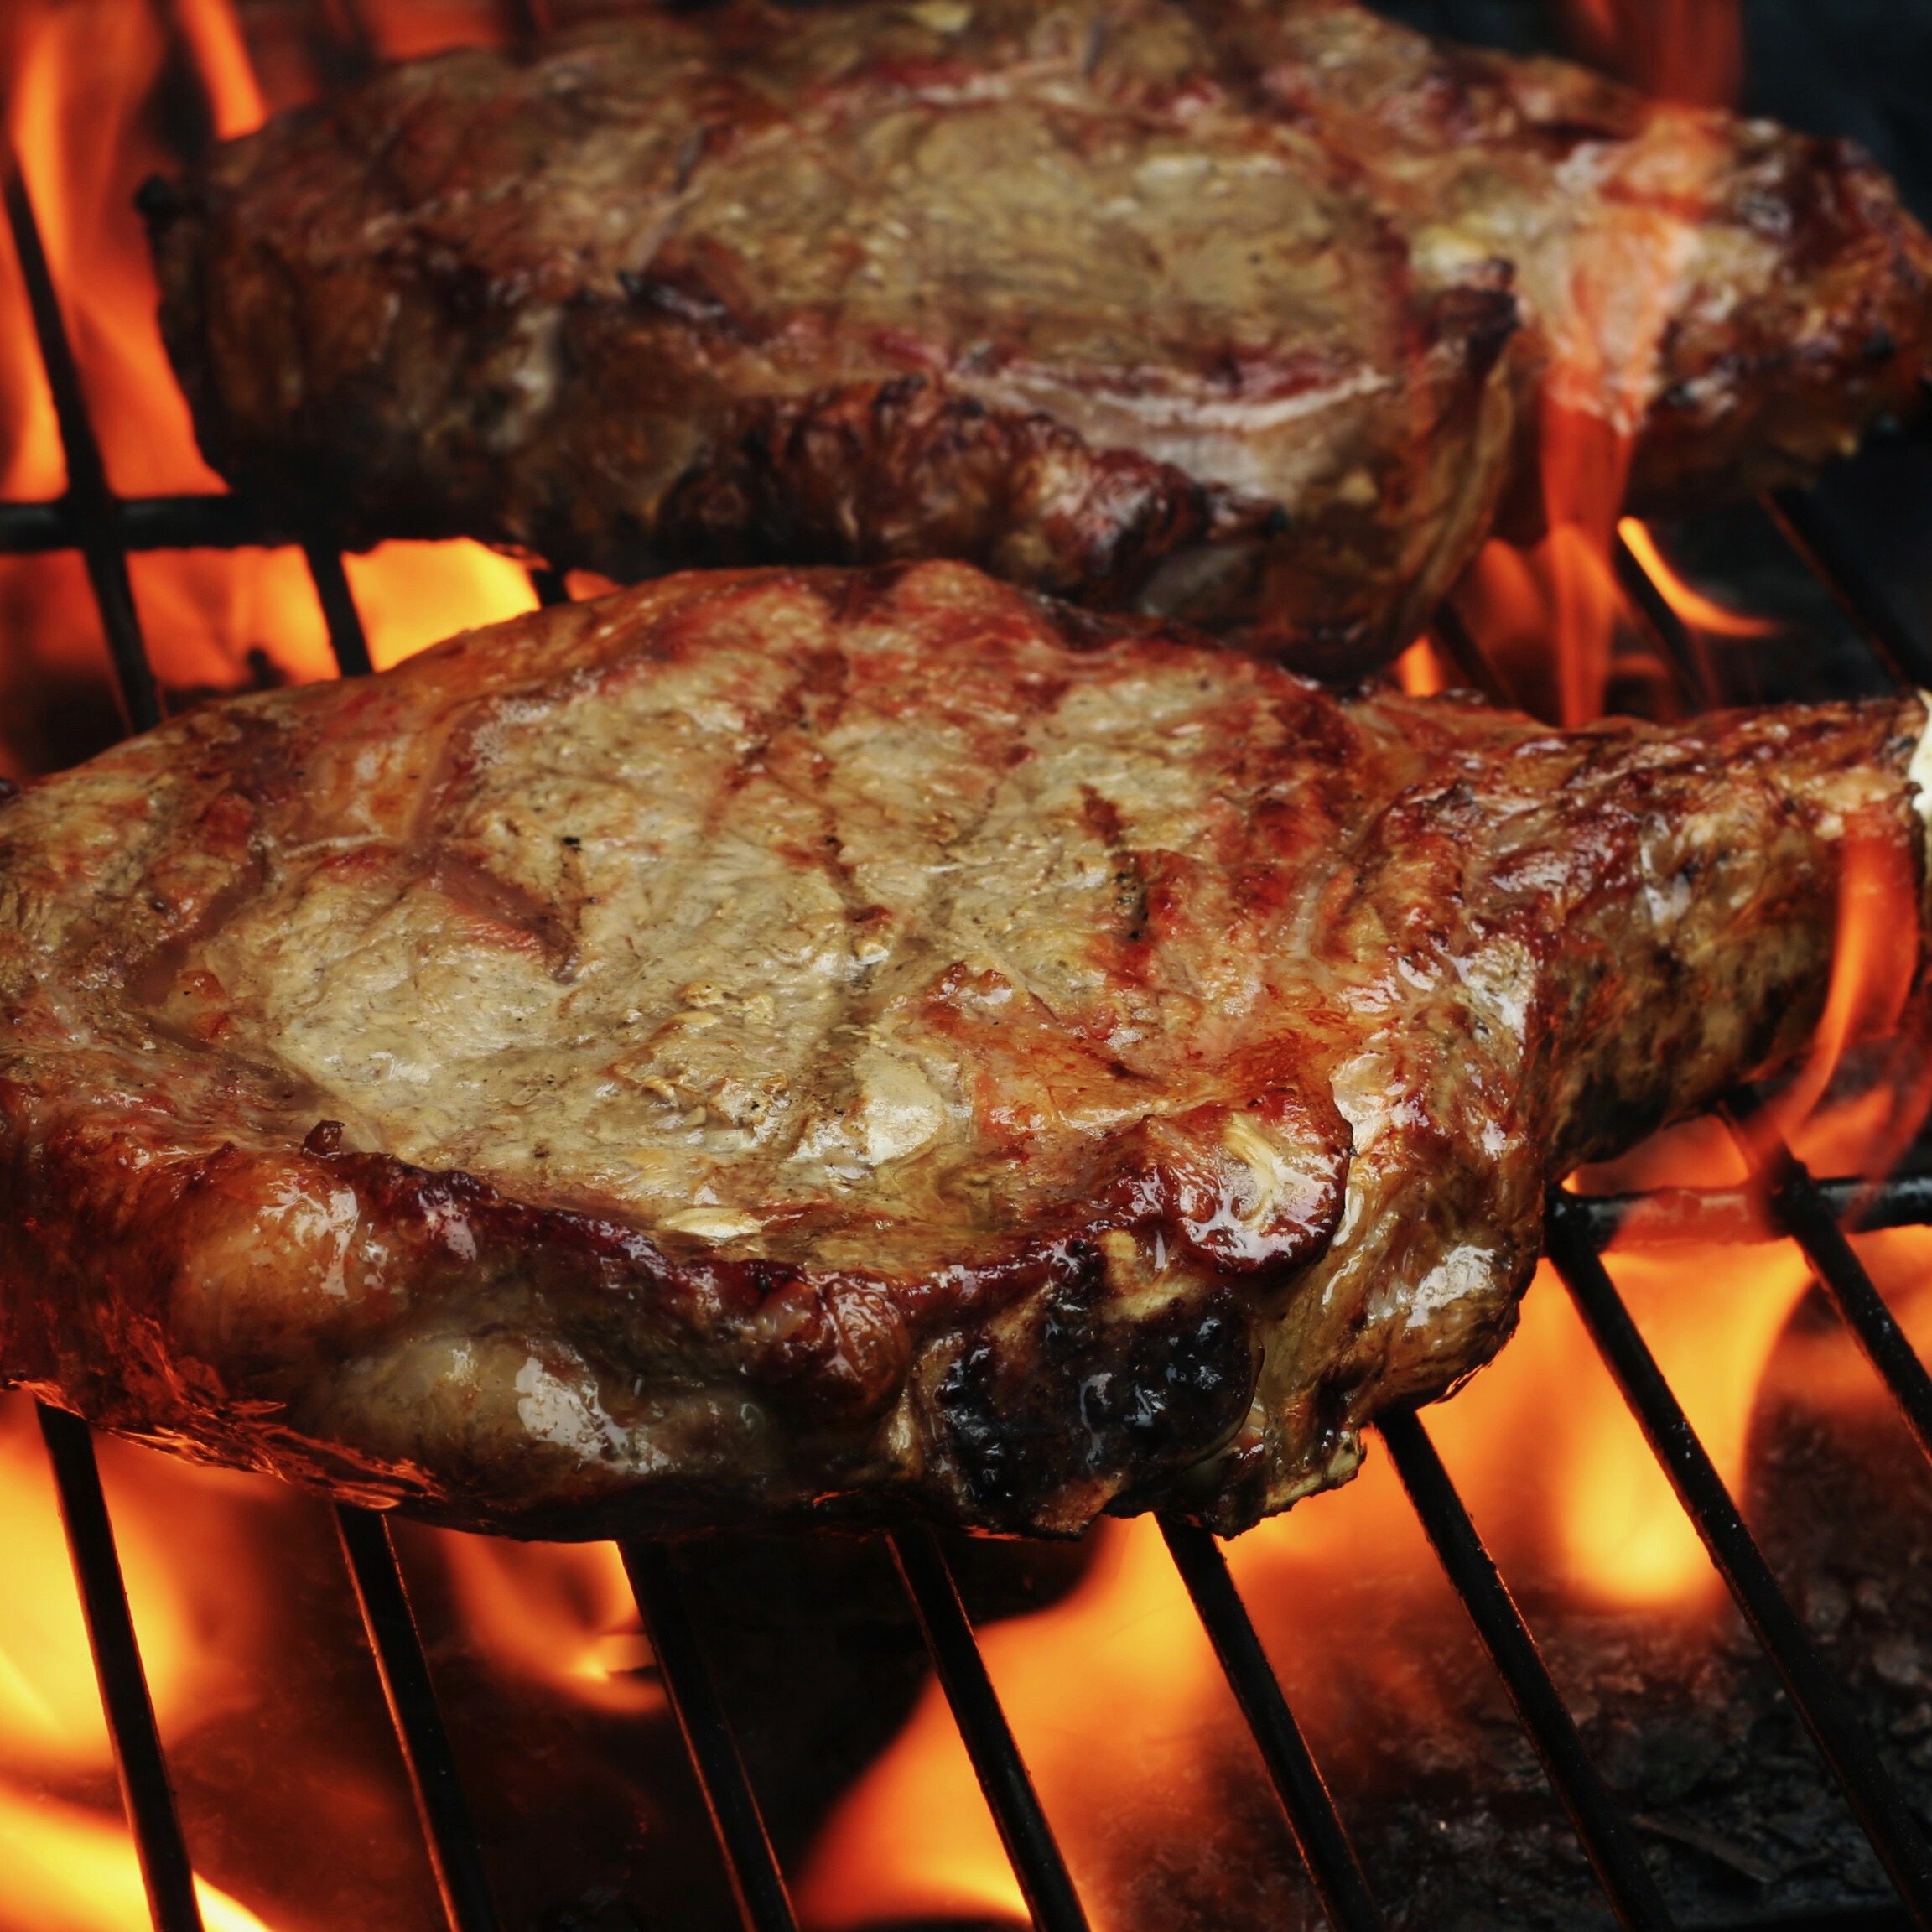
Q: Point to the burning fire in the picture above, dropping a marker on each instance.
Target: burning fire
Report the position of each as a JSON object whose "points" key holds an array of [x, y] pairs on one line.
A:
{"points": [[1691, 50], [560, 1613], [69, 1863], [1115, 1696], [73, 1869], [1696, 610], [78, 111]]}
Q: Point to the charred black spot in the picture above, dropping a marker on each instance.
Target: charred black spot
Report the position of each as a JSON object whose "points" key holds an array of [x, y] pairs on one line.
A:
{"points": [[157, 201], [1087, 1396]]}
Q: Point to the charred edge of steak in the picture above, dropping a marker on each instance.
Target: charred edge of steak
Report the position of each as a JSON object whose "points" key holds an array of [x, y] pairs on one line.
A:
{"points": [[874, 472]]}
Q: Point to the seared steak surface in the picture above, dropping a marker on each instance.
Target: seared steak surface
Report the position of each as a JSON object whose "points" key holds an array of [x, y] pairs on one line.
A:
{"points": [[1203, 310], [780, 1045]]}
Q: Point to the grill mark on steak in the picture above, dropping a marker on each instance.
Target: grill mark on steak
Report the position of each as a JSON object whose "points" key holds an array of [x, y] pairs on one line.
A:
{"points": [[919, 1171]]}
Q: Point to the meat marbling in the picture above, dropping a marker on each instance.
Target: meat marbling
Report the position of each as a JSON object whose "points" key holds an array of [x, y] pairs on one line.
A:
{"points": [[1203, 310], [806, 1045]]}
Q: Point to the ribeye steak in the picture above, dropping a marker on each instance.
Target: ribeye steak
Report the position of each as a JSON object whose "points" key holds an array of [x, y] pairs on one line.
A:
{"points": [[796, 1044], [1207, 310]]}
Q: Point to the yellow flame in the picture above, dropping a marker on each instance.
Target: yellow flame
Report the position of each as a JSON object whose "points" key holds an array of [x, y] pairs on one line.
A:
{"points": [[411, 596], [71, 1870]]}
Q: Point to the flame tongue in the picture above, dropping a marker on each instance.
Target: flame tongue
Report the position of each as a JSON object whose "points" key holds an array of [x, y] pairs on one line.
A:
{"points": [[1691, 50]]}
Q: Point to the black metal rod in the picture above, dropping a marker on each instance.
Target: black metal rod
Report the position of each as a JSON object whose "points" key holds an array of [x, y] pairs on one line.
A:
{"points": [[1810, 530], [1800, 1210], [1689, 655], [203, 522], [756, 1882], [526, 20], [1886, 1820], [1459, 645], [27, 529], [1604, 1832], [339, 612], [145, 1789], [1734, 1213], [95, 514], [455, 1854], [1319, 1832], [1015, 1806]]}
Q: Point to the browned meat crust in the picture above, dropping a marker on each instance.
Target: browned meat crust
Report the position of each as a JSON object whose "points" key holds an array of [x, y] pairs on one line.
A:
{"points": [[810, 1046], [1203, 310]]}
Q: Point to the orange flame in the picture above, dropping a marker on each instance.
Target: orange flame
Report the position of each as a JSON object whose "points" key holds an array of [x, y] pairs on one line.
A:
{"points": [[82, 77], [67, 1864], [1114, 1696], [71, 1869], [562, 1614], [220, 57], [1691, 50], [414, 594], [1696, 610], [1418, 672], [1873, 968]]}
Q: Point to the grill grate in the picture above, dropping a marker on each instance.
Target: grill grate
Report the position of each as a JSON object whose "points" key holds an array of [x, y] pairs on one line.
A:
{"points": [[90, 519]]}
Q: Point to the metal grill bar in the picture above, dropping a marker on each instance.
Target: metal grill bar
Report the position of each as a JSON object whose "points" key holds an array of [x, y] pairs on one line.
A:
{"points": [[145, 1790], [1734, 1213], [1808, 527], [339, 612], [1801, 1211], [1886, 1820], [1339, 1881], [1689, 654], [90, 503], [192, 523], [756, 1882], [1600, 1826], [1459, 645], [989, 1737], [455, 1856]]}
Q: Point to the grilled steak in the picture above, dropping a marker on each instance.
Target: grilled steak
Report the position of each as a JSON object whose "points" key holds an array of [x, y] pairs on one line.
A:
{"points": [[790, 1044], [1207, 311]]}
